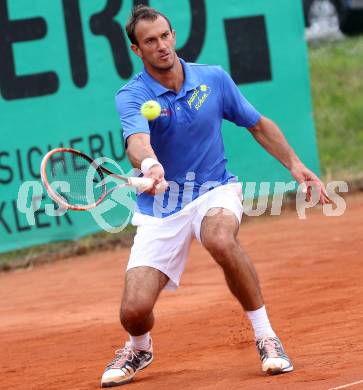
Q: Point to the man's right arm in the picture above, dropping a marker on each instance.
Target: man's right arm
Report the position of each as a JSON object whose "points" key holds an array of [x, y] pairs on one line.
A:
{"points": [[136, 133], [139, 148], [141, 156]]}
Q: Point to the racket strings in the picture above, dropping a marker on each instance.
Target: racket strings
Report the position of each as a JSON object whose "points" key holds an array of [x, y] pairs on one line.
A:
{"points": [[74, 178]]}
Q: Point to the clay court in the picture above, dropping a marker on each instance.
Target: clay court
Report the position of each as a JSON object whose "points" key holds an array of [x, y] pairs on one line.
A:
{"points": [[59, 322]]}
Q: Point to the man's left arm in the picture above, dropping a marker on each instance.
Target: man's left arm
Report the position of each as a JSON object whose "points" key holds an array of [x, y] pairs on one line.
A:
{"points": [[270, 137]]}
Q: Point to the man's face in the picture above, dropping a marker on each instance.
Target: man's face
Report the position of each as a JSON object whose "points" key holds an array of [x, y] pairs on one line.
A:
{"points": [[156, 43]]}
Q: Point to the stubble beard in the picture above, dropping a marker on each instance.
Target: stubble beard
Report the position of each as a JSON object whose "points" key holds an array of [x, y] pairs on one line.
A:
{"points": [[167, 68]]}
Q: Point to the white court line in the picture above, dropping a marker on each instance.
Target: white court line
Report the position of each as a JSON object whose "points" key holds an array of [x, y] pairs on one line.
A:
{"points": [[347, 385]]}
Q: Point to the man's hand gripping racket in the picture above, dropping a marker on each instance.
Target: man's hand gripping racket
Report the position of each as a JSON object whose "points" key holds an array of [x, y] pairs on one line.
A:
{"points": [[156, 173], [76, 181]]}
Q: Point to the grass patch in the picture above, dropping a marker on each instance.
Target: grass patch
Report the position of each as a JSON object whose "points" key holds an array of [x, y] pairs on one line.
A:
{"points": [[336, 70]]}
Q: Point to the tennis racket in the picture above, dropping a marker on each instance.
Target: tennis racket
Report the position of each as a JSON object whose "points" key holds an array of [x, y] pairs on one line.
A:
{"points": [[78, 182]]}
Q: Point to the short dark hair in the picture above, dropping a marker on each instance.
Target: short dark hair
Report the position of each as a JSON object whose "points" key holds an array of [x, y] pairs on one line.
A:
{"points": [[142, 12]]}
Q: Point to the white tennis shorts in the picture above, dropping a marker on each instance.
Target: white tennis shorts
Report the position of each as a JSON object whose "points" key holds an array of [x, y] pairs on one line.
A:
{"points": [[163, 243]]}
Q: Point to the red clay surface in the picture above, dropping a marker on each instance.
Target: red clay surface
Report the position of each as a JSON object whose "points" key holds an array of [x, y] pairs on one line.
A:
{"points": [[59, 322]]}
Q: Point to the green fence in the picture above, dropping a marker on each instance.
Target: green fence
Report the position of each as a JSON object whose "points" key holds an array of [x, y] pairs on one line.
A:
{"points": [[61, 63]]}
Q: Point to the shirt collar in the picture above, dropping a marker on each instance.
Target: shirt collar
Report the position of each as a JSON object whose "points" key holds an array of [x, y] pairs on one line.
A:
{"points": [[191, 80]]}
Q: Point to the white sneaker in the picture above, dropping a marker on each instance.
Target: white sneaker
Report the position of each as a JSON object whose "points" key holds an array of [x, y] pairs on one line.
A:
{"points": [[273, 356], [124, 366]]}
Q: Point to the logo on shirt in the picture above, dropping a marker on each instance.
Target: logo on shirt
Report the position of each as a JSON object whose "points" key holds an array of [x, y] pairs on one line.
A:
{"points": [[199, 96], [164, 112]]}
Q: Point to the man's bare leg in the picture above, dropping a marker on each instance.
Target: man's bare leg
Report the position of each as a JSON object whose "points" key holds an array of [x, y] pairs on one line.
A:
{"points": [[142, 288], [219, 236]]}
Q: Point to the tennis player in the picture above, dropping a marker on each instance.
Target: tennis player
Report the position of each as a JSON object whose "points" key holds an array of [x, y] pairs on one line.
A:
{"points": [[184, 146]]}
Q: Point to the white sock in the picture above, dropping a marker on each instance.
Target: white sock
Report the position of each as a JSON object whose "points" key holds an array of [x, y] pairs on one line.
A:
{"points": [[260, 323], [141, 343]]}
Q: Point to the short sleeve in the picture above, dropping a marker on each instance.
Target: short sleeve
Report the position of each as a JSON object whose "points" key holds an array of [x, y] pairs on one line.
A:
{"points": [[128, 106], [236, 108]]}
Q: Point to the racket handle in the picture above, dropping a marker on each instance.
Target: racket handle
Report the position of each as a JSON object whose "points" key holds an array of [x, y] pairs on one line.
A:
{"points": [[146, 183]]}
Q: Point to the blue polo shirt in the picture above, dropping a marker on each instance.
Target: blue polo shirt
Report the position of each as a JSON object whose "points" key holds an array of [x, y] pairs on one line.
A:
{"points": [[187, 136]]}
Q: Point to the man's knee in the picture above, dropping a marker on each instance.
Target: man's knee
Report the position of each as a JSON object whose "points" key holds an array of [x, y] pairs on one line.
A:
{"points": [[134, 312], [220, 243]]}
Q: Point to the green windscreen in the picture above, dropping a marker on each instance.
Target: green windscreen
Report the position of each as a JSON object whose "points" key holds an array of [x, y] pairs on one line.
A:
{"points": [[61, 63]]}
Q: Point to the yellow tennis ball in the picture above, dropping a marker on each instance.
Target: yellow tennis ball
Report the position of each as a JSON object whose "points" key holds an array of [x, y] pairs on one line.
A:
{"points": [[150, 110]]}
